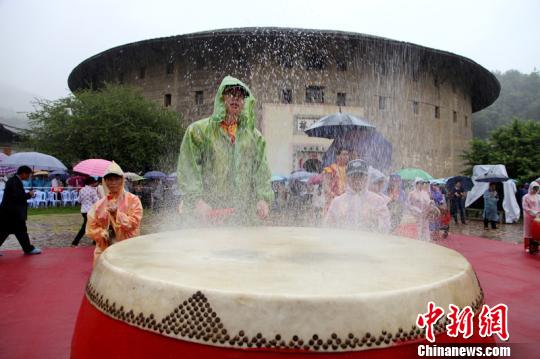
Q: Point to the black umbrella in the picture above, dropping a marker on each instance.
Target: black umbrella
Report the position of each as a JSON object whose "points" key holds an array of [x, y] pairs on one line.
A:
{"points": [[466, 183], [370, 146], [336, 125]]}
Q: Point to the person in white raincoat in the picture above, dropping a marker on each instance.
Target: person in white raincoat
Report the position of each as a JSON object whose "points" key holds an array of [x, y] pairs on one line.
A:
{"points": [[358, 208], [377, 183], [531, 210], [420, 206]]}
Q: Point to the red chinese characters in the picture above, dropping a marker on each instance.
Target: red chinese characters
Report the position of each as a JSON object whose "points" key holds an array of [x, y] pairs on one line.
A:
{"points": [[429, 319], [460, 321], [494, 321], [490, 321]]}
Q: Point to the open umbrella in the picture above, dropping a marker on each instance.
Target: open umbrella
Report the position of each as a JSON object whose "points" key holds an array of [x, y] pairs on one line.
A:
{"points": [[93, 167], [371, 146], [35, 160], [63, 174], [337, 124], [154, 175], [130, 176], [301, 176], [278, 178], [410, 174], [493, 174], [466, 183], [438, 181]]}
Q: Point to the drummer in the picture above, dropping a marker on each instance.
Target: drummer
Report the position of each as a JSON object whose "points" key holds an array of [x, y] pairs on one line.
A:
{"points": [[222, 162], [358, 207], [115, 217]]}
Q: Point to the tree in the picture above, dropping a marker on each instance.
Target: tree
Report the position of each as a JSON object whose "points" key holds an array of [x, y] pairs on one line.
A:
{"points": [[115, 123], [514, 145], [520, 97]]}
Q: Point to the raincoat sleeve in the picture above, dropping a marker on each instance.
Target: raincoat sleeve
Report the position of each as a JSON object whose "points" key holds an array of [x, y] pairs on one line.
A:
{"points": [[262, 175], [98, 224], [190, 181], [528, 205], [413, 205], [131, 219]]}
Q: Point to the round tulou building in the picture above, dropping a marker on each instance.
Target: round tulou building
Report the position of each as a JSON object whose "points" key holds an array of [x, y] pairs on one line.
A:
{"points": [[420, 99]]}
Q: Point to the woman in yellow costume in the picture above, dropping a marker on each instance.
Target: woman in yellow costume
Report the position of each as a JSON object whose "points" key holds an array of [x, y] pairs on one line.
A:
{"points": [[115, 217]]}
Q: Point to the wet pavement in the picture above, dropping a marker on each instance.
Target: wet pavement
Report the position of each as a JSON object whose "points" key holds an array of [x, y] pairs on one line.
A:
{"points": [[512, 233], [58, 230]]}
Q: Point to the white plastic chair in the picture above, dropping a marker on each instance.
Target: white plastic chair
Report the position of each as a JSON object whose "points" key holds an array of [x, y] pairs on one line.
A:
{"points": [[30, 201], [74, 197], [66, 198], [51, 199], [39, 199]]}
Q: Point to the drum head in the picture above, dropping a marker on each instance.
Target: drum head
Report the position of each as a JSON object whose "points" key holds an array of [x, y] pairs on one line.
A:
{"points": [[280, 287]]}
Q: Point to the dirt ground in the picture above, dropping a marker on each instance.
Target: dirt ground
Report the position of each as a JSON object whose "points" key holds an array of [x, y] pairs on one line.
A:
{"points": [[58, 230]]}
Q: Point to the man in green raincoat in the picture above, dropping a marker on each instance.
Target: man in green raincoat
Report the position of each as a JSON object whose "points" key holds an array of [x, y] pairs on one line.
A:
{"points": [[222, 162]]}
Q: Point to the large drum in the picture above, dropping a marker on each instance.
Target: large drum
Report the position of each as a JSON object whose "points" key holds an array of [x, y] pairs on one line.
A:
{"points": [[268, 292]]}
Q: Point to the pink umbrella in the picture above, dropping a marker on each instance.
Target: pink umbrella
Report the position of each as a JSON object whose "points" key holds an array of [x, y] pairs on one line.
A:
{"points": [[93, 167]]}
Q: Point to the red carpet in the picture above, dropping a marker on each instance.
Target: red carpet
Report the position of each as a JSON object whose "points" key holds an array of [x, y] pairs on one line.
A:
{"points": [[40, 295]]}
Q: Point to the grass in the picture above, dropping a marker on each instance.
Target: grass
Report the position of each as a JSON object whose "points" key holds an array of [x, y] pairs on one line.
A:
{"points": [[53, 210]]}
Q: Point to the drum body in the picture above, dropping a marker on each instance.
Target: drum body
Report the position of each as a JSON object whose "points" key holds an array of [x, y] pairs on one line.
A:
{"points": [[266, 292], [535, 229]]}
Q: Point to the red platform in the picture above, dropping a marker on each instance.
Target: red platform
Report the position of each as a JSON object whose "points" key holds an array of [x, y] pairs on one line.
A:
{"points": [[41, 295]]}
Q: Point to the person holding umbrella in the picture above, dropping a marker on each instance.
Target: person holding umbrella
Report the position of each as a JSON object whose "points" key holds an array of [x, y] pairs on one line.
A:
{"points": [[457, 198], [222, 162], [491, 215], [14, 211]]}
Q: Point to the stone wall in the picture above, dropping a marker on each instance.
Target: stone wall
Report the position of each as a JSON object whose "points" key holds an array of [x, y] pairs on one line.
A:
{"points": [[407, 79]]}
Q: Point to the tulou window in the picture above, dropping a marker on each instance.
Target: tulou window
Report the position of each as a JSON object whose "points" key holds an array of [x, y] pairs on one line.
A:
{"points": [[382, 102], [341, 99], [315, 94], [199, 97], [286, 96]]}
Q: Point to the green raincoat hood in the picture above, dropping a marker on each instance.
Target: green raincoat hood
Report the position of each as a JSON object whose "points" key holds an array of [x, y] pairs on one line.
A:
{"points": [[247, 117]]}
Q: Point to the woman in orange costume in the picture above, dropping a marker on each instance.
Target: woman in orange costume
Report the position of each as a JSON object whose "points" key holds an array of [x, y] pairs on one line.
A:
{"points": [[334, 177], [115, 217]]}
